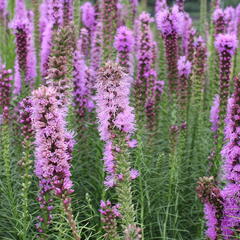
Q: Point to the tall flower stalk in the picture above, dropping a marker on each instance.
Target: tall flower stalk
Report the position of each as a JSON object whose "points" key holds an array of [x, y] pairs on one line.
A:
{"points": [[184, 71], [230, 154], [82, 91], [59, 73], [25, 164], [218, 28], [54, 146], [169, 22], [116, 125], [144, 57], [96, 48], [226, 45], [213, 201], [124, 43], [67, 12], [109, 21], [22, 26]]}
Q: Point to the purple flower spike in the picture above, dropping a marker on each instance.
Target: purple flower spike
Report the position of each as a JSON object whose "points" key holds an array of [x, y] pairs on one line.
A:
{"points": [[226, 45], [184, 71], [144, 57], [5, 90], [170, 23], [214, 114], [56, 13], [219, 21], [230, 17], [50, 127], [124, 43], [67, 12], [231, 167], [82, 98], [88, 15], [184, 67], [109, 214], [113, 87], [160, 5], [96, 49]]}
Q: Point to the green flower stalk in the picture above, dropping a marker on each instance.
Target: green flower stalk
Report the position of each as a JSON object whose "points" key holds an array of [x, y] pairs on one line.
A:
{"points": [[203, 17], [26, 162]]}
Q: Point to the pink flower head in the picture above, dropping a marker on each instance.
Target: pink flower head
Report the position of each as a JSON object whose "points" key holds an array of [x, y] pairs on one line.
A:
{"points": [[134, 174], [124, 40], [217, 14], [124, 43], [184, 67], [226, 42], [160, 5], [113, 110], [88, 15], [170, 21]]}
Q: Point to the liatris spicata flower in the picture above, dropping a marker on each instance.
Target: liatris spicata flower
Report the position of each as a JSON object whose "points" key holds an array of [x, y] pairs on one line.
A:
{"points": [[190, 44], [31, 56], [170, 25], [59, 62], [116, 125], [22, 25], [198, 71], [218, 21], [113, 86], [144, 57], [124, 43], [25, 164], [81, 93], [184, 71], [53, 149], [187, 26], [180, 4], [226, 45], [109, 21], [110, 213], [154, 90], [214, 114], [46, 45], [25, 110], [160, 5], [229, 14], [5, 90], [213, 201], [44, 17], [230, 154], [84, 42], [67, 12], [96, 48], [88, 15], [56, 13]]}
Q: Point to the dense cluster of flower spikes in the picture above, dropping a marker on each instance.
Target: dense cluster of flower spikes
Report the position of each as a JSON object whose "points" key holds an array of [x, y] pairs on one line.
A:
{"points": [[95, 73]]}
